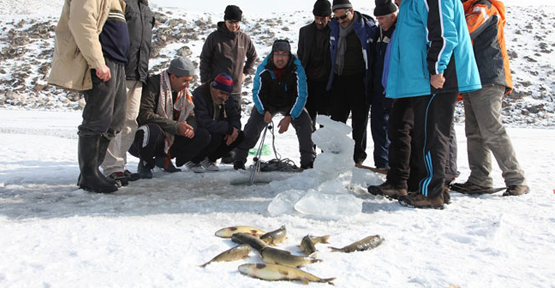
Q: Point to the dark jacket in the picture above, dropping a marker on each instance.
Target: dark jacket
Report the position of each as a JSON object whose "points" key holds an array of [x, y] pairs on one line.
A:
{"points": [[307, 41], [226, 51], [149, 105], [364, 28], [287, 96], [379, 48], [140, 21], [208, 117]]}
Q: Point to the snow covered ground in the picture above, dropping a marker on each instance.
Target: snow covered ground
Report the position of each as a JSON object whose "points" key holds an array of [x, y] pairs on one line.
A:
{"points": [[155, 233]]}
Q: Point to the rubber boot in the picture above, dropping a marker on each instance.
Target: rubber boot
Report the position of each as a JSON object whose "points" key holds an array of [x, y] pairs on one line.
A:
{"points": [[90, 179]]}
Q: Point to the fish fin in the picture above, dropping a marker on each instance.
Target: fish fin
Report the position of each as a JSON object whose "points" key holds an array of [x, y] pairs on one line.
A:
{"points": [[304, 280], [316, 260], [313, 255]]}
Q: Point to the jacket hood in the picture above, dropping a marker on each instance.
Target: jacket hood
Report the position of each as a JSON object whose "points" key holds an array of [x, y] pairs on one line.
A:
{"points": [[223, 29]]}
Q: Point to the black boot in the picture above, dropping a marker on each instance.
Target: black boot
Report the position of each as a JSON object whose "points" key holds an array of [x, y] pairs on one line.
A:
{"points": [[144, 170], [163, 163], [90, 180]]}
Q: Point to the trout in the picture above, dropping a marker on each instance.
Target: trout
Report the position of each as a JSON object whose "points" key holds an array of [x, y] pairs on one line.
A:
{"points": [[229, 231], [275, 237], [307, 245], [276, 256], [245, 238], [235, 253], [279, 272], [369, 242]]}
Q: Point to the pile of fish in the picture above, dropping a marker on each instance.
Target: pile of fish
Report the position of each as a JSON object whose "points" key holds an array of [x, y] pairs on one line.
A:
{"points": [[280, 264]]}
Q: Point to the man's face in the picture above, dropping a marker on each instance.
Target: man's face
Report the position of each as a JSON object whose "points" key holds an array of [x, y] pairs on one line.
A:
{"points": [[281, 58], [219, 96], [344, 16], [321, 22], [179, 83], [386, 21], [233, 25]]}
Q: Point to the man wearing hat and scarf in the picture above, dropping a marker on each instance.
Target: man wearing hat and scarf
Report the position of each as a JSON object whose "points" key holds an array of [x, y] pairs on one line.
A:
{"points": [[314, 53], [349, 79], [279, 87], [167, 124], [217, 114], [386, 15], [231, 51]]}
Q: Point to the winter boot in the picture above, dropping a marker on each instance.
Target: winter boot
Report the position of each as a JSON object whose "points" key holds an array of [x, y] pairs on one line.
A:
{"points": [[143, 170], [163, 163], [90, 178]]}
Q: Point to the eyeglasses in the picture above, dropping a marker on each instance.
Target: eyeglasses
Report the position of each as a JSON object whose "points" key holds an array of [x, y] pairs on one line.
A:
{"points": [[233, 21], [344, 16]]}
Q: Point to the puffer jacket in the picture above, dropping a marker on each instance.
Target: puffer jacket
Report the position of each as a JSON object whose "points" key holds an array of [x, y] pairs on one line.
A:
{"points": [[140, 21], [486, 21], [205, 113], [431, 38], [289, 94], [229, 52], [77, 49]]}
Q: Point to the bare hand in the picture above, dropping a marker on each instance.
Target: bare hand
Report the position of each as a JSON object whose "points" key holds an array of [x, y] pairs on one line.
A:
{"points": [[267, 117], [284, 124], [243, 78], [437, 81], [231, 137], [185, 130], [103, 72]]}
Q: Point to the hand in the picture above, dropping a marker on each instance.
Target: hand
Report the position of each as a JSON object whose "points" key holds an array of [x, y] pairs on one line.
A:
{"points": [[437, 81], [230, 138], [284, 124], [267, 117], [185, 130], [103, 72], [243, 78]]}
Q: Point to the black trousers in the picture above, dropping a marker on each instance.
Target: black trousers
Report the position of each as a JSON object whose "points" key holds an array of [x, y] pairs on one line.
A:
{"points": [[318, 102], [149, 142], [217, 148], [104, 112], [348, 96]]}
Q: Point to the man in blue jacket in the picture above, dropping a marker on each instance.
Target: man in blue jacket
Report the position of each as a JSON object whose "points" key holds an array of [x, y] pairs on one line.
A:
{"points": [[349, 79], [279, 87], [431, 62]]}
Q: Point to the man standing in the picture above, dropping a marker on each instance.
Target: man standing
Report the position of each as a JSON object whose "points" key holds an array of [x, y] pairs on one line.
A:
{"points": [[90, 52], [230, 51], [140, 22], [168, 125], [279, 87], [349, 80], [386, 14], [485, 133], [218, 115], [314, 53], [431, 62]]}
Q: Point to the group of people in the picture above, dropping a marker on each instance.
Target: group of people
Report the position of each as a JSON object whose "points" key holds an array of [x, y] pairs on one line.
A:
{"points": [[407, 72]]}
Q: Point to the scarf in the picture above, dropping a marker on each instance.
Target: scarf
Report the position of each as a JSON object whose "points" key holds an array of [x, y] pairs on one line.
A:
{"points": [[342, 45], [183, 106]]}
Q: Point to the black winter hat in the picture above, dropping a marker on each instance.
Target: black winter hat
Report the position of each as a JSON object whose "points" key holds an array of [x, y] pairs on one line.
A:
{"points": [[233, 12], [281, 45], [341, 4], [322, 8], [384, 7]]}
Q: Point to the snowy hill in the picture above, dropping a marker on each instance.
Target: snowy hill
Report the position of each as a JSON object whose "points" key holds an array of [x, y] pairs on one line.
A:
{"points": [[26, 46]]}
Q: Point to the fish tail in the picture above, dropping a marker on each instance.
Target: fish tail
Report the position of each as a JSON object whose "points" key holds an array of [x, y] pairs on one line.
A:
{"points": [[205, 264], [325, 239], [327, 280], [333, 249]]}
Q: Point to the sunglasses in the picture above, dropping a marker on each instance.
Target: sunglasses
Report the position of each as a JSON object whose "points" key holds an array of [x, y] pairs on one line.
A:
{"points": [[344, 16]]}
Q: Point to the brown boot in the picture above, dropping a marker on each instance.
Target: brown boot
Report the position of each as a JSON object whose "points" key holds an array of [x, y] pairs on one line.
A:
{"points": [[517, 190], [417, 200], [387, 190]]}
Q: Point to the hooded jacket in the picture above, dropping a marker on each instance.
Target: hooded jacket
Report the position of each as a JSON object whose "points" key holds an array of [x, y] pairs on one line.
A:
{"points": [[364, 28], [288, 95], [227, 51], [431, 38], [205, 113], [77, 48], [486, 21], [140, 21]]}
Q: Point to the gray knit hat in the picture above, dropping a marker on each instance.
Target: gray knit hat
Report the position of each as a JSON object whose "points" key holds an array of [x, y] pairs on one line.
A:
{"points": [[341, 4], [182, 66]]}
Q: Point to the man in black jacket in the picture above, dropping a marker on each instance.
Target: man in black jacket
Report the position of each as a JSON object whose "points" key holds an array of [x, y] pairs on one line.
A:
{"points": [[279, 87], [314, 53], [140, 21], [216, 113], [168, 124]]}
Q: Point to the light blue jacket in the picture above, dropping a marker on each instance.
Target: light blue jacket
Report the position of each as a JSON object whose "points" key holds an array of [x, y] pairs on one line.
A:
{"points": [[431, 38]]}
